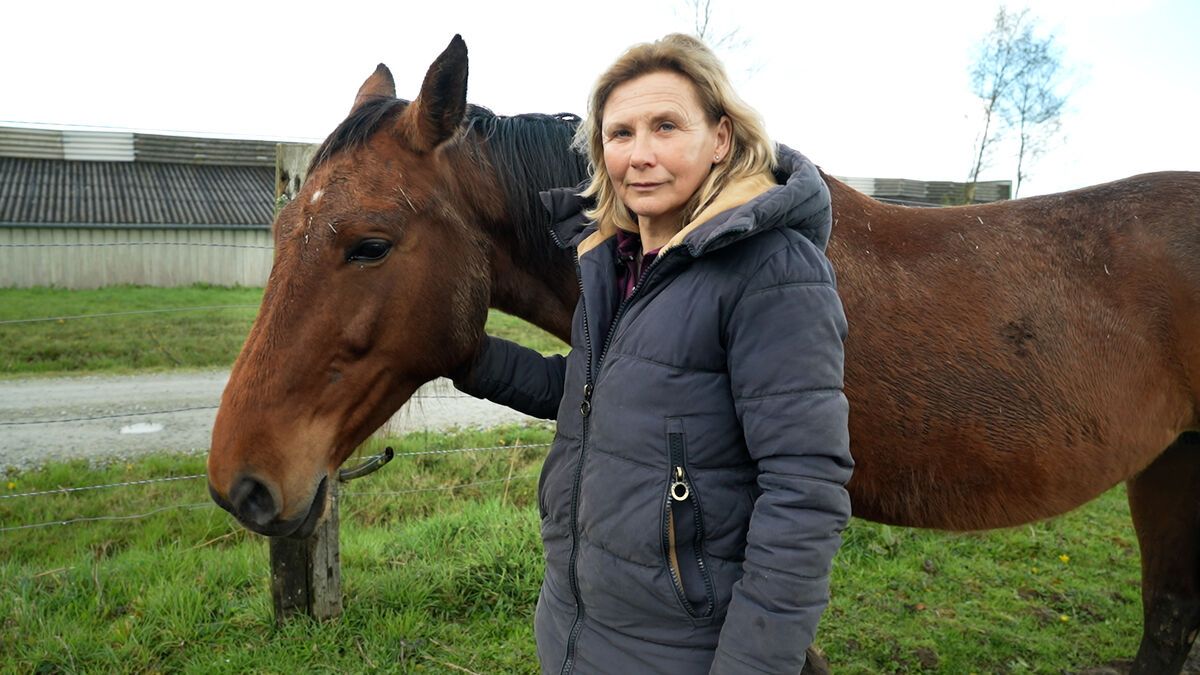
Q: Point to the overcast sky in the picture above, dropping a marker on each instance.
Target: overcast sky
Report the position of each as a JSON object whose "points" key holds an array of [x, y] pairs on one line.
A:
{"points": [[863, 88]]}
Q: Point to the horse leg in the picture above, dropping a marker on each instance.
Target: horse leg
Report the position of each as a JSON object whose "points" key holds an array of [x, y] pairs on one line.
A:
{"points": [[1165, 502], [815, 664]]}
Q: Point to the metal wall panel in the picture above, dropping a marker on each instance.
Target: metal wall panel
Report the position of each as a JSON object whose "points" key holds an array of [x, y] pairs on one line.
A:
{"points": [[93, 258]]}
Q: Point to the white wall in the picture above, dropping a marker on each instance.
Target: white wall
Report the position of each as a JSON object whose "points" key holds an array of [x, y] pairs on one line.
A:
{"points": [[188, 257]]}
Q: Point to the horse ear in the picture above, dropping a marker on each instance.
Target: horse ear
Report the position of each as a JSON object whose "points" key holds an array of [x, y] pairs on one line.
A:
{"points": [[438, 110], [379, 85]]}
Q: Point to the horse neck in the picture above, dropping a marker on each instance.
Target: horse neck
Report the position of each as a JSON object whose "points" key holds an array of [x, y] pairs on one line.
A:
{"points": [[531, 277]]}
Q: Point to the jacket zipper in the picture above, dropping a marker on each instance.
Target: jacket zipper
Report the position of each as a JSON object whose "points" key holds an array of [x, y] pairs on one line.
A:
{"points": [[585, 409]]}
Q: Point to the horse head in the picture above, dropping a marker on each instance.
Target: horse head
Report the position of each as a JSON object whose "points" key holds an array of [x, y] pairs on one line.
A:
{"points": [[378, 286]]}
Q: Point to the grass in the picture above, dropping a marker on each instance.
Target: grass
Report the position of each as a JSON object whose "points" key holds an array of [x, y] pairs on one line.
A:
{"points": [[128, 343], [438, 580], [444, 580]]}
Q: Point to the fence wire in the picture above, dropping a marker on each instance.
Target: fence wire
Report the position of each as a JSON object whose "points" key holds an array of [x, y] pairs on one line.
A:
{"points": [[134, 243], [209, 504], [169, 411], [146, 413], [167, 479], [93, 519], [164, 310], [390, 493], [68, 490]]}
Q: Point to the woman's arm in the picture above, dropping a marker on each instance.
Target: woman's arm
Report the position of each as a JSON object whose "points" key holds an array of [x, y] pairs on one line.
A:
{"points": [[785, 342], [518, 377]]}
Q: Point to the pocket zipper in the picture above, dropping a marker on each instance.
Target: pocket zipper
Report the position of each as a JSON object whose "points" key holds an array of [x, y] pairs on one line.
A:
{"points": [[680, 490]]}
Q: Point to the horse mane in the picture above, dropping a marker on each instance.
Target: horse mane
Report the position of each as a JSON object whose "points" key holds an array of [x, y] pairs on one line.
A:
{"points": [[357, 128], [529, 153]]}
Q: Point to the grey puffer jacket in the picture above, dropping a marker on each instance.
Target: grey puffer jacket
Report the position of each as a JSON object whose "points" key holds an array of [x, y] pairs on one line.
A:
{"points": [[693, 499]]}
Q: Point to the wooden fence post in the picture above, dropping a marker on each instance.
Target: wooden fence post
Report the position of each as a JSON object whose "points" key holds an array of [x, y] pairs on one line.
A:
{"points": [[306, 576]]}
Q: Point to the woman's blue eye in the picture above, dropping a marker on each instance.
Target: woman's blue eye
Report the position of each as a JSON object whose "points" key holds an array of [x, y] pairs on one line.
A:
{"points": [[667, 126]]}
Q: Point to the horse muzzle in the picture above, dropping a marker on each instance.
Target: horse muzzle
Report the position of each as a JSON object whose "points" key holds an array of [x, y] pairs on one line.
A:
{"points": [[257, 508]]}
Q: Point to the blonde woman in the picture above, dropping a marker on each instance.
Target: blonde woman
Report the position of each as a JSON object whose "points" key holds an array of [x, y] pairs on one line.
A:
{"points": [[694, 496]]}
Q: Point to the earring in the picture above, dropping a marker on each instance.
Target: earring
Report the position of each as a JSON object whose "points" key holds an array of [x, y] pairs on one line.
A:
{"points": [[716, 158]]}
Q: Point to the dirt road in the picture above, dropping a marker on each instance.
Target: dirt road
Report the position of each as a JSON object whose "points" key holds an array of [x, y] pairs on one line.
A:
{"points": [[116, 417]]}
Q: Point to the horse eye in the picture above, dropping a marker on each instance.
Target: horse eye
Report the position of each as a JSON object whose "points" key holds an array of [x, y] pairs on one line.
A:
{"points": [[368, 250]]}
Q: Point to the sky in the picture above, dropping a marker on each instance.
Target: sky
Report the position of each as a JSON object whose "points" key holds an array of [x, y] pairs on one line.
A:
{"points": [[867, 89]]}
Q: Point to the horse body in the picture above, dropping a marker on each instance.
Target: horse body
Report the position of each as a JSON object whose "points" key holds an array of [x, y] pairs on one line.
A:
{"points": [[1006, 362], [1009, 362]]}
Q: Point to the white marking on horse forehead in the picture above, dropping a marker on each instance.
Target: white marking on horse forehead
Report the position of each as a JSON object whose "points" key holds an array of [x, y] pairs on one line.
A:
{"points": [[316, 196]]}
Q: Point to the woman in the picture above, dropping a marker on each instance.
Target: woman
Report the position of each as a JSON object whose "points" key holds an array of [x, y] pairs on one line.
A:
{"points": [[693, 498]]}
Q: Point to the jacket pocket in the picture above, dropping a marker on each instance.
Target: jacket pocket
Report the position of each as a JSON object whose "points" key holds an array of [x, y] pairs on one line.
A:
{"points": [[683, 531]]}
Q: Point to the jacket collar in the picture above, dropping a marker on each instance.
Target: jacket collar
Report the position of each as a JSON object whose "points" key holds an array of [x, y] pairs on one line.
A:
{"points": [[797, 198]]}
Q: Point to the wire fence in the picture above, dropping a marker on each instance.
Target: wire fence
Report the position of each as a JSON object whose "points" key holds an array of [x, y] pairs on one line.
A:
{"points": [[89, 244], [72, 490], [162, 310], [191, 477]]}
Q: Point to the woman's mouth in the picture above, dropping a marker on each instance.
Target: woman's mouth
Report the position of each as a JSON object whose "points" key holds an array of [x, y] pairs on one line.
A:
{"points": [[643, 187]]}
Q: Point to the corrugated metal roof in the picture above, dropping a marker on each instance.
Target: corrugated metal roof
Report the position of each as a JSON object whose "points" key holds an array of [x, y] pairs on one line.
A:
{"points": [[42, 143], [49, 191], [126, 146], [932, 192], [181, 150], [98, 146]]}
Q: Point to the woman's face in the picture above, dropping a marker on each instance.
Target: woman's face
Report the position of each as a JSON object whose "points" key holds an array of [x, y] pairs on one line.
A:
{"points": [[659, 146]]}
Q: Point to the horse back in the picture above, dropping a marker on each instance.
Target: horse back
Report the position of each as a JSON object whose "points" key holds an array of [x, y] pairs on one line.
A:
{"points": [[1046, 347]]}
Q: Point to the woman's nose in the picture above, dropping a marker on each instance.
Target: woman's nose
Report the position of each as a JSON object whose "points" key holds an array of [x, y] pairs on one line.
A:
{"points": [[642, 153]]}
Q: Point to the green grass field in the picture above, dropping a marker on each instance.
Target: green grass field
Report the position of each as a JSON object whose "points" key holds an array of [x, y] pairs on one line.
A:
{"points": [[445, 580], [126, 343], [441, 557]]}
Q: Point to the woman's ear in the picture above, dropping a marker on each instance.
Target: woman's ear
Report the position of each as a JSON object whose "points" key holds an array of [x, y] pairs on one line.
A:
{"points": [[724, 139]]}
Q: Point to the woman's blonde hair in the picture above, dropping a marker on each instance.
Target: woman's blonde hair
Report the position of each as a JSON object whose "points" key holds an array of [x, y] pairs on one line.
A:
{"points": [[751, 151]]}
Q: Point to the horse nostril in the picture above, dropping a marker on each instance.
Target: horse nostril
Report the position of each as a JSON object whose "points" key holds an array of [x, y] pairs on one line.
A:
{"points": [[252, 502]]}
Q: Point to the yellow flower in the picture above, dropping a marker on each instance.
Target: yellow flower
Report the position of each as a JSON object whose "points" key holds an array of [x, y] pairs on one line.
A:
{"points": [[1064, 618], [12, 485], [1033, 569], [1065, 558]]}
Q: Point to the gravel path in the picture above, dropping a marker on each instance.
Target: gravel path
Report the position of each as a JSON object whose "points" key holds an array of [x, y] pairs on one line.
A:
{"points": [[131, 422]]}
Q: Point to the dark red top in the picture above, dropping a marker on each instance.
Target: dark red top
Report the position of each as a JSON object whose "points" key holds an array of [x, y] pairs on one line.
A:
{"points": [[629, 268]]}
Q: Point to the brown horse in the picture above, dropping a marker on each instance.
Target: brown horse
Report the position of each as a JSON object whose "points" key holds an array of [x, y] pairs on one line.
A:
{"points": [[1007, 362]]}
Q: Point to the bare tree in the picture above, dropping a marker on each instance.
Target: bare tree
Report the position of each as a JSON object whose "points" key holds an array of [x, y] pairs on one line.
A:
{"points": [[1015, 75], [702, 14], [1032, 106]]}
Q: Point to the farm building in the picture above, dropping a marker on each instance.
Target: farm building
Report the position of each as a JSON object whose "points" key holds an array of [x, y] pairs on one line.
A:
{"points": [[928, 192], [84, 209]]}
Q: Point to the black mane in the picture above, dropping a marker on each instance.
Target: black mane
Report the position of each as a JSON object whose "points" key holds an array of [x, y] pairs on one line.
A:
{"points": [[529, 153], [356, 129]]}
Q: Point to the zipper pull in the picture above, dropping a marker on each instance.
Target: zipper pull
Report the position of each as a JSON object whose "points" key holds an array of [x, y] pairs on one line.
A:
{"points": [[679, 487], [585, 408]]}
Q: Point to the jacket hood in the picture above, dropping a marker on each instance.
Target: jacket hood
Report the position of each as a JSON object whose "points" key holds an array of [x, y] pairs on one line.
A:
{"points": [[799, 199]]}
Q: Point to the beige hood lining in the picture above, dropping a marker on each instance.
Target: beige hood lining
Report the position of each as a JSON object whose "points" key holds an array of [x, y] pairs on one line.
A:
{"points": [[734, 195]]}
